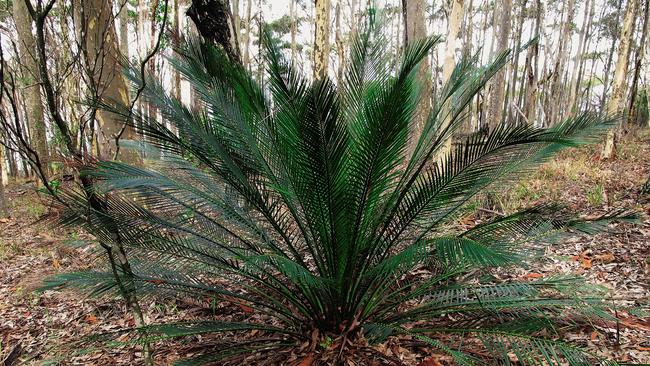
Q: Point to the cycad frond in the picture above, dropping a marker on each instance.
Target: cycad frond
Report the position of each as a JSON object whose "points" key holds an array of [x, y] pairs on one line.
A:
{"points": [[303, 203]]}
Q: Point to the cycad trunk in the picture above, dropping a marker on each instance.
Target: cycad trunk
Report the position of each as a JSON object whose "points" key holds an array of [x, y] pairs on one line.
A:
{"points": [[322, 39], [495, 110], [415, 29], [103, 58], [31, 86], [616, 102]]}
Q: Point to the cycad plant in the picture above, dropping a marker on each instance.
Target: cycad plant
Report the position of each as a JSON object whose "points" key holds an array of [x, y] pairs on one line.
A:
{"points": [[315, 211]]}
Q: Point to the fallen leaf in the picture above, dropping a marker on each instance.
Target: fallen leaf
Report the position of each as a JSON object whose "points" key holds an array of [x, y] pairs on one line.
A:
{"points": [[639, 348], [246, 309], [605, 258], [594, 335], [307, 361], [534, 275], [586, 263], [91, 319], [430, 361], [4, 220]]}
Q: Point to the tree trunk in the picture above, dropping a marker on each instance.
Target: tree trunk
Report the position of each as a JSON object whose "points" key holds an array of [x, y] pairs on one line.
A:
{"points": [[236, 22], [583, 61], [616, 105], [610, 58], [3, 201], [6, 166], [214, 21], [512, 83], [103, 56], [495, 109], [451, 44], [292, 14], [249, 32], [340, 48], [469, 26], [532, 70], [124, 28], [557, 86], [30, 82], [638, 61], [322, 39], [577, 60], [413, 12]]}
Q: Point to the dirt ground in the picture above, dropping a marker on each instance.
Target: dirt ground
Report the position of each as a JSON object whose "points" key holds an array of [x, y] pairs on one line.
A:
{"points": [[49, 328]]}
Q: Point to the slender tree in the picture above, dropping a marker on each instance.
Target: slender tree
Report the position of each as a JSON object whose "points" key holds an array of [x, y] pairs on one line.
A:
{"points": [[638, 60], [340, 47], [578, 60], [292, 30], [30, 80], [616, 102], [610, 55], [322, 38], [532, 70], [451, 45], [557, 82], [3, 201], [495, 109], [413, 12]]}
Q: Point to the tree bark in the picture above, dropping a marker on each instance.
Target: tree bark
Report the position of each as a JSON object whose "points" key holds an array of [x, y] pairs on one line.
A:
{"points": [[495, 110], [30, 83], [532, 70], [249, 32], [451, 45], [610, 59], [124, 28], [292, 30], [322, 39], [557, 86], [214, 21], [637, 62], [512, 83], [340, 48], [3, 201], [413, 12], [616, 105], [578, 59], [103, 59]]}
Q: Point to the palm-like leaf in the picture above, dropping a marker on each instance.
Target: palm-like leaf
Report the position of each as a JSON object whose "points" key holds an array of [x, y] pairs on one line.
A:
{"points": [[303, 199]]}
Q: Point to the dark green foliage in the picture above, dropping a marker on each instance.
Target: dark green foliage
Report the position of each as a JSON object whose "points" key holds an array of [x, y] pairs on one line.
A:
{"points": [[302, 203]]}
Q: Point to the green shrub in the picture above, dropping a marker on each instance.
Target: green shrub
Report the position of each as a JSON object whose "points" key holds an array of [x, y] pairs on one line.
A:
{"points": [[303, 207]]}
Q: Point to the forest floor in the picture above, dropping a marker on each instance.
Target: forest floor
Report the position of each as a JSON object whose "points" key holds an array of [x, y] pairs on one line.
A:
{"points": [[48, 328]]}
